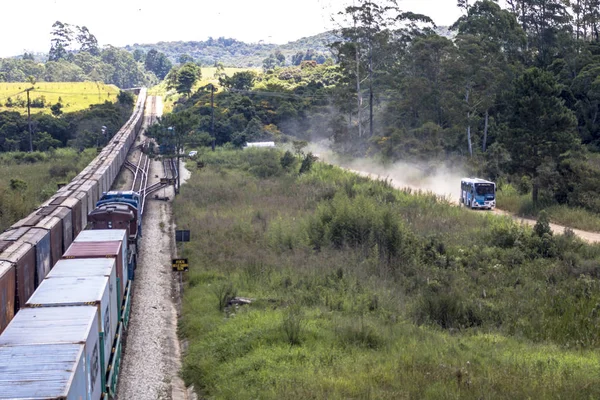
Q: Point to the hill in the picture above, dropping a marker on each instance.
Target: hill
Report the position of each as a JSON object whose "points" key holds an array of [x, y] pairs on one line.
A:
{"points": [[235, 53]]}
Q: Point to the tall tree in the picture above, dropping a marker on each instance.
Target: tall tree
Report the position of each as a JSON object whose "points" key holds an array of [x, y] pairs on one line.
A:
{"points": [[187, 76], [364, 48], [541, 127], [87, 41], [62, 37]]}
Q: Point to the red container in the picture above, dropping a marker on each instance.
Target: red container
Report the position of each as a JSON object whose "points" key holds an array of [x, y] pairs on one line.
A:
{"points": [[64, 215], [23, 256], [100, 250], [74, 205], [8, 283]]}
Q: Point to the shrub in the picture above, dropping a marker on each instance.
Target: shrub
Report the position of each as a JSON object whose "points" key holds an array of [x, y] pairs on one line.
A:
{"points": [[447, 309], [307, 163], [62, 170], [292, 324], [288, 160]]}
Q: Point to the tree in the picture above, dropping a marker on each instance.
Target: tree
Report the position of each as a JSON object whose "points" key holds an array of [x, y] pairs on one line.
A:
{"points": [[158, 63], [187, 76], [62, 36], [185, 58], [87, 42], [365, 47], [541, 128], [139, 55], [269, 63], [238, 81]]}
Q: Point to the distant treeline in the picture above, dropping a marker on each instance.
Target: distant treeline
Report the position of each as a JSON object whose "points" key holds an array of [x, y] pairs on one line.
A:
{"points": [[81, 129]]}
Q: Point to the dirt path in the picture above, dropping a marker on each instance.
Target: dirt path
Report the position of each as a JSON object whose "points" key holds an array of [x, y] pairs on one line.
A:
{"points": [[439, 185], [152, 356]]}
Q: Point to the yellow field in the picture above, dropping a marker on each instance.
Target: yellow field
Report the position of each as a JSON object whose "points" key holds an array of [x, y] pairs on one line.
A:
{"points": [[74, 96], [208, 76]]}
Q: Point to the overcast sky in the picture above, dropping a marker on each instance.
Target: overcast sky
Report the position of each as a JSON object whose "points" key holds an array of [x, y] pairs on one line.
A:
{"points": [[26, 25]]}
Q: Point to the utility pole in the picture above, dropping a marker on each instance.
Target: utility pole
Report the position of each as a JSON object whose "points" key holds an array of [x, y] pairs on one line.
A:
{"points": [[212, 115], [29, 120]]}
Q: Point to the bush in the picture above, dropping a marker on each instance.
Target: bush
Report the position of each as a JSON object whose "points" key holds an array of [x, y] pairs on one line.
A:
{"points": [[447, 309], [292, 324], [62, 170]]}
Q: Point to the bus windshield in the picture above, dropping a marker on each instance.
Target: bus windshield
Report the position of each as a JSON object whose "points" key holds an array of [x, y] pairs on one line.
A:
{"points": [[484, 188]]}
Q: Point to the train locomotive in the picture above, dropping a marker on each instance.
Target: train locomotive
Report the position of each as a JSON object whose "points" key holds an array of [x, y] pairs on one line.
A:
{"points": [[66, 274]]}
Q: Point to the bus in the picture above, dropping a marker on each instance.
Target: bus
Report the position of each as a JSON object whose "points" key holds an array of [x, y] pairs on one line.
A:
{"points": [[477, 193]]}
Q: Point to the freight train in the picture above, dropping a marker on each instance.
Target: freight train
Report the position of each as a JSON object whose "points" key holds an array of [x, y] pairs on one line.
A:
{"points": [[66, 274]]}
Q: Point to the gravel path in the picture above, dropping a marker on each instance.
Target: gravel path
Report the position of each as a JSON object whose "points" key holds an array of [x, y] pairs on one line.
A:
{"points": [[151, 361], [591, 237]]}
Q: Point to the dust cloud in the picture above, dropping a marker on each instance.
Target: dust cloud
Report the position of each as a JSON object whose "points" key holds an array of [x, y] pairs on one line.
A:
{"points": [[437, 179]]}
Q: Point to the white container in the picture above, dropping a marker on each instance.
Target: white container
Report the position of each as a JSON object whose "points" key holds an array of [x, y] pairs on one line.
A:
{"points": [[87, 267], [108, 235], [62, 292], [60, 325], [48, 372]]}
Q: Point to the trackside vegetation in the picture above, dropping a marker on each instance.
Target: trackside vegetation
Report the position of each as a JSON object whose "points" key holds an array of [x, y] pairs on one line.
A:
{"points": [[28, 179], [362, 291]]}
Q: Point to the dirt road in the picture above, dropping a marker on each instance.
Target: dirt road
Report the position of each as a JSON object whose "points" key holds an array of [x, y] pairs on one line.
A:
{"points": [[444, 184]]}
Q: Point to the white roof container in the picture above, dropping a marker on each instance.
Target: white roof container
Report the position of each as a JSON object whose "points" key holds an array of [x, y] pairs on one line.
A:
{"points": [[107, 235], [49, 372], [88, 267], [94, 291]]}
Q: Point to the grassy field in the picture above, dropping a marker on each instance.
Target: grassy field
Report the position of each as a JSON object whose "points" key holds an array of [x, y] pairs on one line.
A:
{"points": [[208, 76], [74, 96], [521, 204], [362, 291], [28, 179]]}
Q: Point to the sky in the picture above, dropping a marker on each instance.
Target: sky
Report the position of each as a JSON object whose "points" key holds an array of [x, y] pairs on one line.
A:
{"points": [[26, 25]]}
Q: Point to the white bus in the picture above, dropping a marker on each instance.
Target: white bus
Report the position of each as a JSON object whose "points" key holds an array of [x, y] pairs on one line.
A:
{"points": [[477, 193]]}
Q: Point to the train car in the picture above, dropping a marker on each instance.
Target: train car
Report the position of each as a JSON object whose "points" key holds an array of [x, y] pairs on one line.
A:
{"points": [[96, 273], [52, 326], [49, 372], [119, 210], [109, 243], [76, 292]]}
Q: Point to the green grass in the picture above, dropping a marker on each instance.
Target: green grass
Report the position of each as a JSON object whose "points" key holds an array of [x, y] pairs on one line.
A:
{"points": [[363, 291], [41, 173], [74, 96], [522, 205]]}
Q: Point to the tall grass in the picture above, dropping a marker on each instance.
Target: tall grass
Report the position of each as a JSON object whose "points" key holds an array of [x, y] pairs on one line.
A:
{"points": [[41, 172], [362, 291], [522, 205]]}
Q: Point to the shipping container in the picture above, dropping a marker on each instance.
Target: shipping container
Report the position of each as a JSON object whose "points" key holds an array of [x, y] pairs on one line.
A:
{"points": [[82, 196], [74, 205], [12, 234], [94, 290], [83, 268], [45, 372], [65, 216], [8, 283], [22, 256], [40, 238], [109, 249], [30, 220], [55, 227], [60, 325], [105, 235]]}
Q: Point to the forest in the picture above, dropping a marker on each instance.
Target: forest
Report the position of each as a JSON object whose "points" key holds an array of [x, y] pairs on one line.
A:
{"points": [[512, 96]]}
